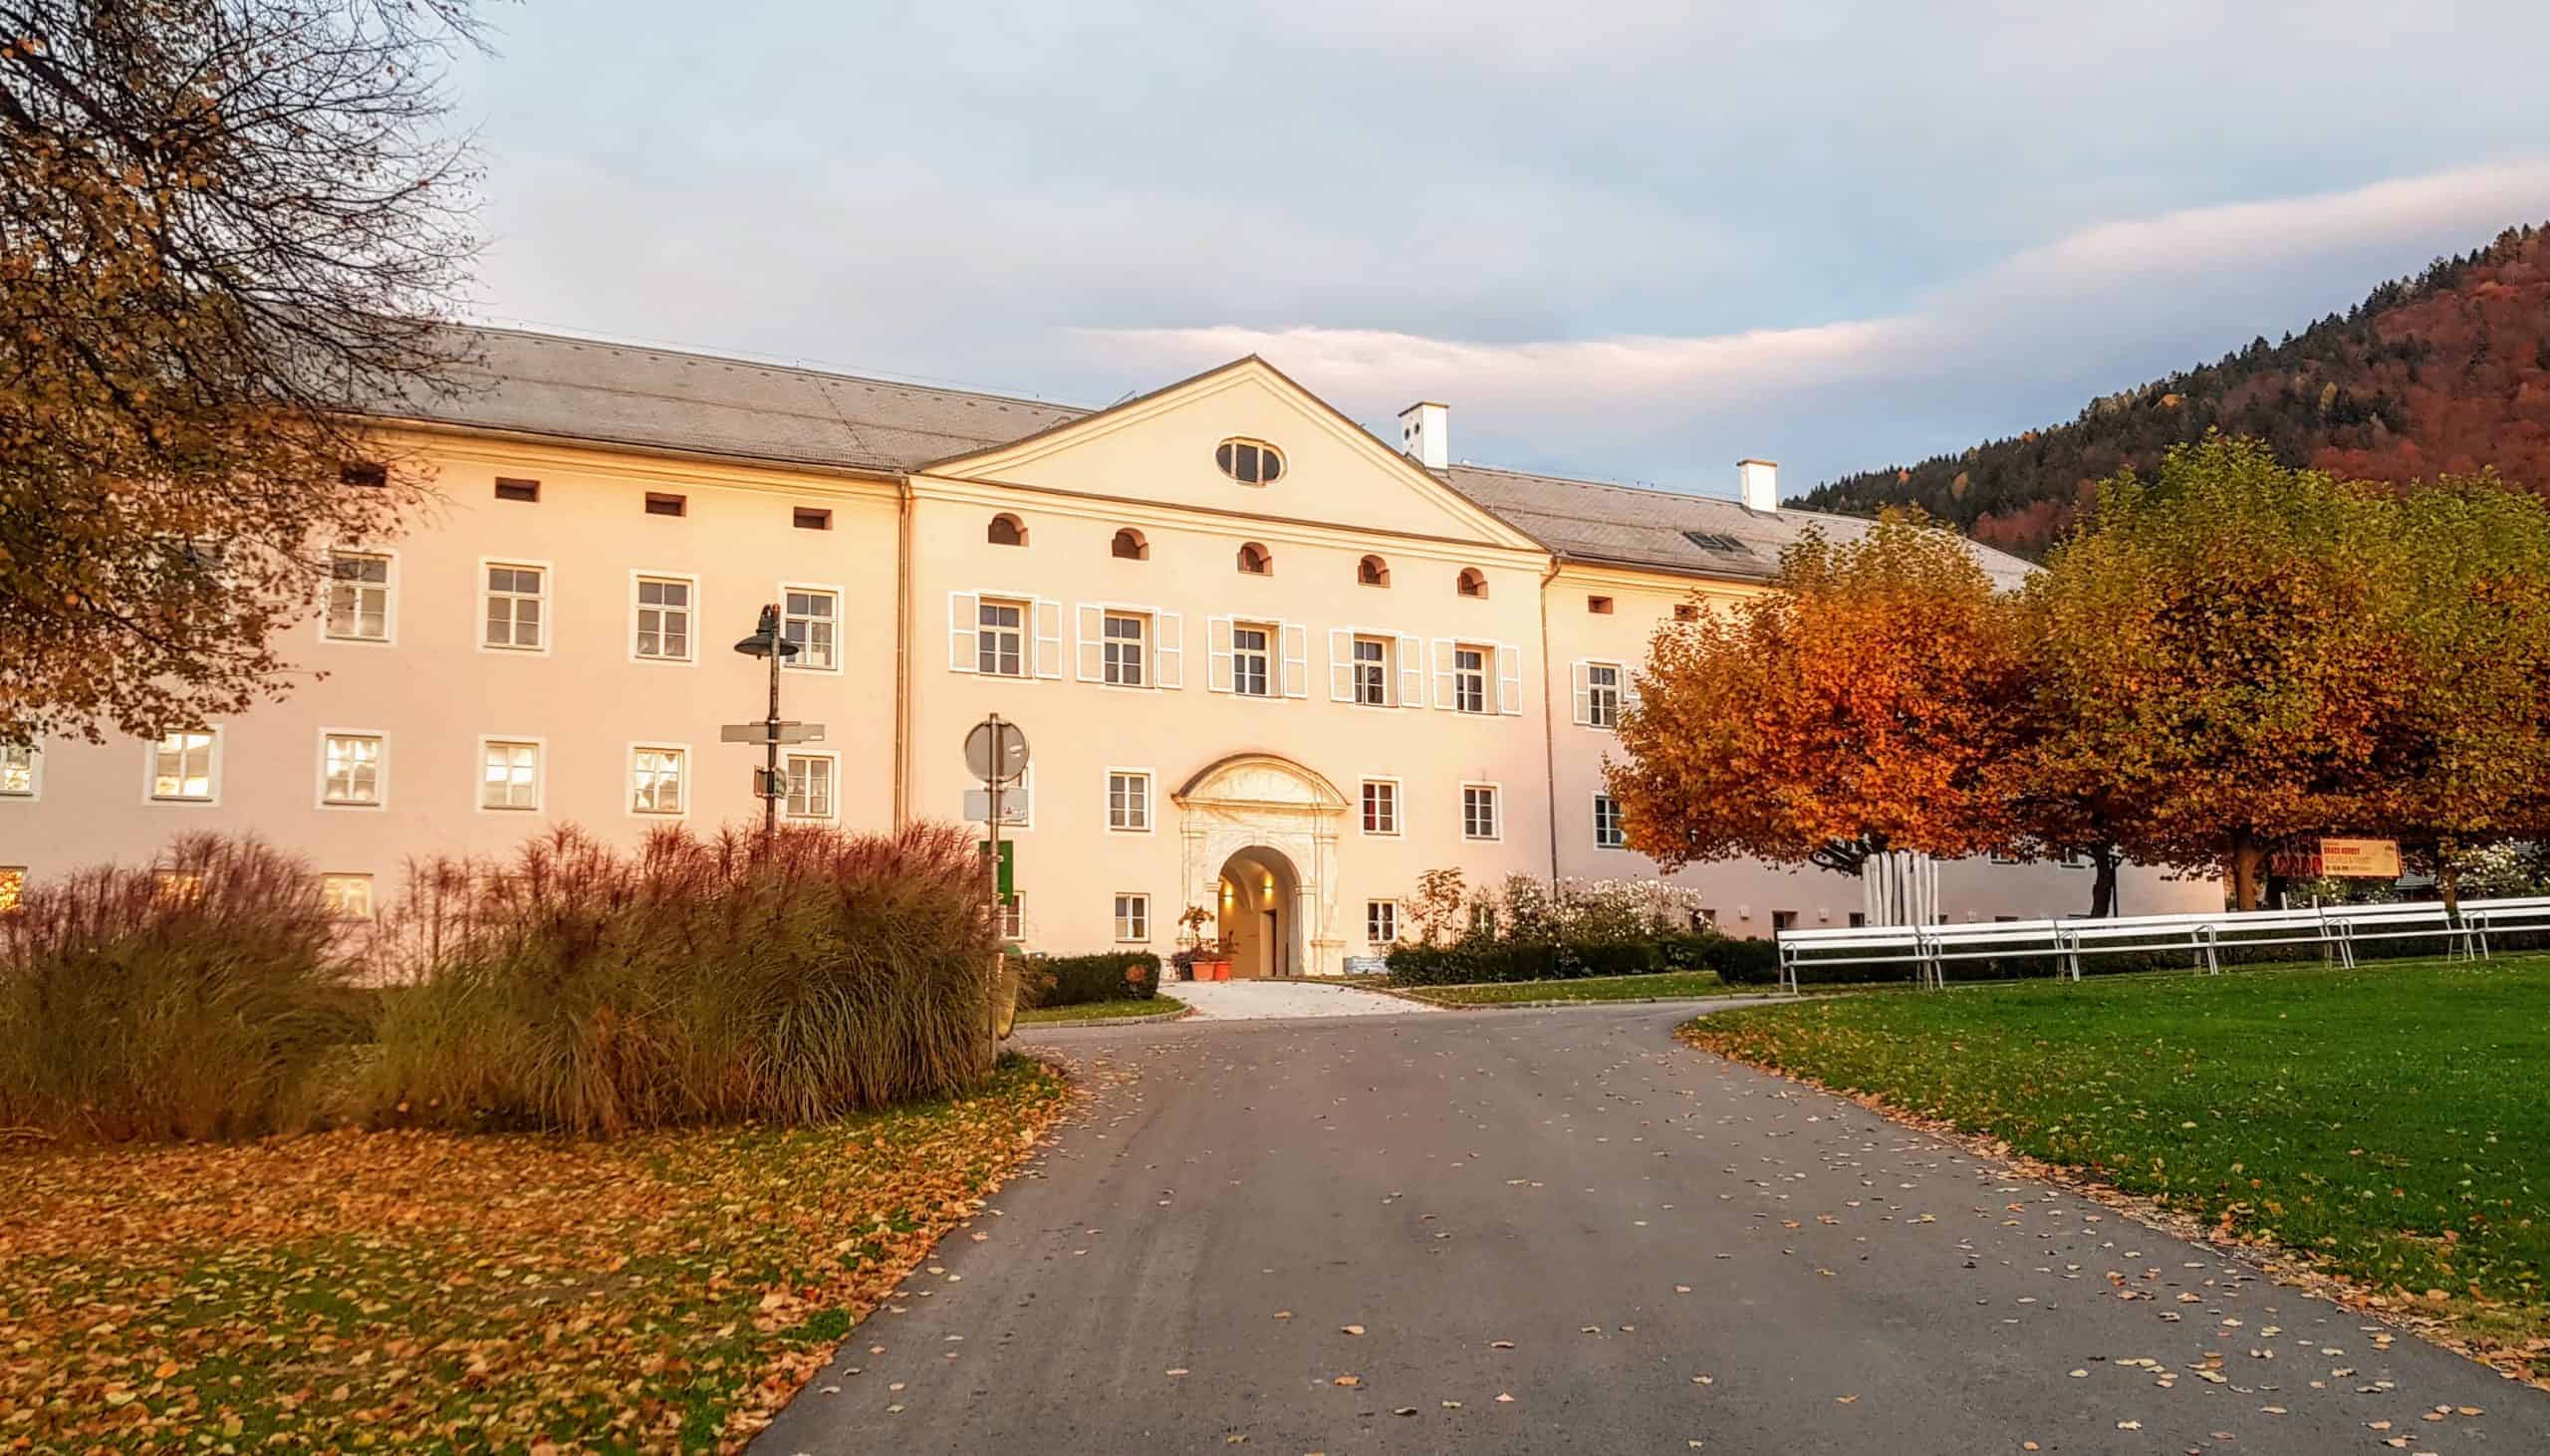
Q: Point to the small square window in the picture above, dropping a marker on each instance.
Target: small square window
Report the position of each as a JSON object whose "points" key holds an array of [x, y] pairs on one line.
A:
{"points": [[509, 774], [1380, 921], [1599, 605], [1132, 917], [183, 767], [350, 770], [347, 897], [1129, 802], [1608, 834], [1478, 812], [810, 786], [807, 518], [1381, 806], [511, 488], [657, 780], [18, 770], [660, 504]]}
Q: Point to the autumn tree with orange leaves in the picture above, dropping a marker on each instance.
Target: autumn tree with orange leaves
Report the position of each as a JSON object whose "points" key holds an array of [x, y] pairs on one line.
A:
{"points": [[1855, 709]]}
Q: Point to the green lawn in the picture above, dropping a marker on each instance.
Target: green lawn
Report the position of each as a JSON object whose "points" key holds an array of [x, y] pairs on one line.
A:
{"points": [[1100, 1011], [1590, 988], [2393, 1122], [437, 1290]]}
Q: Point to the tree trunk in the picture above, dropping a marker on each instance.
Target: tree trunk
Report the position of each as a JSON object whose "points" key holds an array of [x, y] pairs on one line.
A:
{"points": [[2248, 861], [2447, 874], [2102, 881]]}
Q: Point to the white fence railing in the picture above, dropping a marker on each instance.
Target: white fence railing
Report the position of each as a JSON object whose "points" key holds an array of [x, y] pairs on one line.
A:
{"points": [[2336, 929]]}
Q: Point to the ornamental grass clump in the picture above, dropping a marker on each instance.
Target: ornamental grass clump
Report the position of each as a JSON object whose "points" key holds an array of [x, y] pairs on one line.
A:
{"points": [[591, 989], [206, 995]]}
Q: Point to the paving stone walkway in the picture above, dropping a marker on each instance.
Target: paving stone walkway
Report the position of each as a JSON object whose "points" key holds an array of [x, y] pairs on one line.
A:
{"points": [[1264, 1000]]}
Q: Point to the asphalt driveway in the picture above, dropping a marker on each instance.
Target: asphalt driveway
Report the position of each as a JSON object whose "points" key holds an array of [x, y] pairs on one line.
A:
{"points": [[1559, 1230]]}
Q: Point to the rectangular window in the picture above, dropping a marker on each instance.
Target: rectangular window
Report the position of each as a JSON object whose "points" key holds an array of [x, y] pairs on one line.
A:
{"points": [[1252, 660], [516, 597], [182, 766], [1121, 647], [1787, 919], [1000, 638], [1129, 802], [1469, 679], [357, 596], [656, 778], [1132, 917], [1859, 919], [1012, 920], [810, 786], [1372, 672], [664, 618], [509, 774], [347, 897], [350, 769], [1483, 919], [1381, 806], [660, 504], [1603, 694], [510, 488], [808, 518], [1607, 824], [17, 770], [1478, 811], [1380, 921], [1599, 605], [12, 886], [812, 619]]}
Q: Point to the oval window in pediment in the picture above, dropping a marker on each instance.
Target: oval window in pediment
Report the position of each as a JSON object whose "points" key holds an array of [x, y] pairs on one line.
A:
{"points": [[1250, 462]]}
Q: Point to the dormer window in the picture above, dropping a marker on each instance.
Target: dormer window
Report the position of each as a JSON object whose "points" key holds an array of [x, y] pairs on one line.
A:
{"points": [[1371, 571], [1006, 530], [1250, 462], [1254, 562], [1129, 546], [1470, 583]]}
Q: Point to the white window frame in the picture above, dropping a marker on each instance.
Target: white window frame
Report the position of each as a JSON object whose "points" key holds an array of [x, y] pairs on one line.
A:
{"points": [[1501, 676], [1497, 808], [389, 637], [212, 771], [1375, 913], [35, 773], [331, 877], [787, 759], [1040, 625], [539, 773], [548, 607], [379, 770], [1164, 645], [1150, 806], [1140, 903], [1600, 798], [1403, 667], [1583, 701], [1288, 648], [1271, 651], [839, 598], [1399, 807], [629, 780], [1009, 917], [689, 582]]}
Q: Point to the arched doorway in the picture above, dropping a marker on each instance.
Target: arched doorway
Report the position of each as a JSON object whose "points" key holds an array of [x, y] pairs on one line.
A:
{"points": [[1259, 890], [1249, 820]]}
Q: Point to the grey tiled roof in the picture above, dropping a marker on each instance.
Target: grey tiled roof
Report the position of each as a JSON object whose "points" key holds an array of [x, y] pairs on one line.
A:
{"points": [[1590, 521], [660, 398], [601, 393]]}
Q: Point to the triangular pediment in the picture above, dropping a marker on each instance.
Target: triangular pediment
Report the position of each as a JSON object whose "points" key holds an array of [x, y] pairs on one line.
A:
{"points": [[1162, 447]]}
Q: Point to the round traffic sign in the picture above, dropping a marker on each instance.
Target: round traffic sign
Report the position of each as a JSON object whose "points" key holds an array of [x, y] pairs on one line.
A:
{"points": [[1012, 752]]}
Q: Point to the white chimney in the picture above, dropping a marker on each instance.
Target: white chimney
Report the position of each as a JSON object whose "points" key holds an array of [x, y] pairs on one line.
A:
{"points": [[1426, 432], [1761, 484]]}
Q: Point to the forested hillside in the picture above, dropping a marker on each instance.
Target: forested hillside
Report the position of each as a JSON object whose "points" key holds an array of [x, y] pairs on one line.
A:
{"points": [[2446, 371]]}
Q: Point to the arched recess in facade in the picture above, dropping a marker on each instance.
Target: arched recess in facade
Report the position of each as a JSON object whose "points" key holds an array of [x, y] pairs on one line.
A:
{"points": [[1251, 804]]}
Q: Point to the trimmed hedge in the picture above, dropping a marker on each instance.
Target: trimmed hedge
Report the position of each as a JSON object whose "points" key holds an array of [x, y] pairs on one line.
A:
{"points": [[1482, 959], [1075, 980]]}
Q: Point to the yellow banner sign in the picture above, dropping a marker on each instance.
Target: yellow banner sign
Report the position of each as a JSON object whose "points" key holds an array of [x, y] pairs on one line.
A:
{"points": [[2360, 858]]}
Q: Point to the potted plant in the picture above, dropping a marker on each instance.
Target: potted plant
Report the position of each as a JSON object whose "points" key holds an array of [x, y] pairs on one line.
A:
{"points": [[1201, 957]]}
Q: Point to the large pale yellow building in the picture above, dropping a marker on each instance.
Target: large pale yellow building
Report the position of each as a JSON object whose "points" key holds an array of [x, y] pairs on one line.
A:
{"points": [[1269, 664]]}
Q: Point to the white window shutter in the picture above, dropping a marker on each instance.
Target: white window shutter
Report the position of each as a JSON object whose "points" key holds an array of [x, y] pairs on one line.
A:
{"points": [[1341, 664], [1168, 632], [1217, 653], [1412, 673], [1445, 696], [1049, 638], [1509, 679], [1629, 689], [1580, 674], [964, 616], [1091, 623], [1297, 660]]}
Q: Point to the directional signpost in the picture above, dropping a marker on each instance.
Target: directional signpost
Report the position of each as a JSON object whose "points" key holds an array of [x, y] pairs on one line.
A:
{"points": [[769, 782], [998, 752]]}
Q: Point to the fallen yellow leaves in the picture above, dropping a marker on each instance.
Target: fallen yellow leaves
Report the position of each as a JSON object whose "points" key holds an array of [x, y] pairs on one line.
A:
{"points": [[414, 1289]]}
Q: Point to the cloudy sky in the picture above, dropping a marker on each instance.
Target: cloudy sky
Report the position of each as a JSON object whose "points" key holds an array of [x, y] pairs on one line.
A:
{"points": [[1630, 241]]}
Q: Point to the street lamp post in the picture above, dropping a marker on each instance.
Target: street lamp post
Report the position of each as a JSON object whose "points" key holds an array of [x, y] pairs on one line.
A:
{"points": [[766, 641]]}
